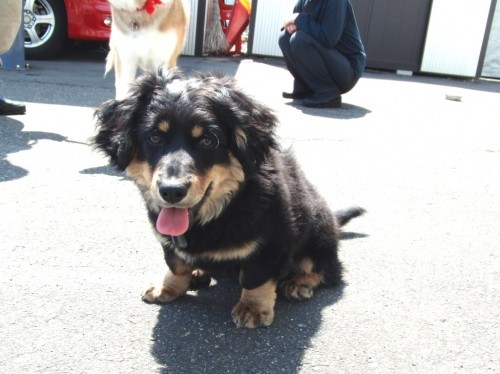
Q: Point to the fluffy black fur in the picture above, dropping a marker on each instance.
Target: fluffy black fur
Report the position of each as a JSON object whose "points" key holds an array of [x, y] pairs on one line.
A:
{"points": [[293, 235]]}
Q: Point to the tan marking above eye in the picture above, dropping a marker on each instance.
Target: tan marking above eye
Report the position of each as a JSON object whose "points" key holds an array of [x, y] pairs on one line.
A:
{"points": [[164, 126], [197, 131]]}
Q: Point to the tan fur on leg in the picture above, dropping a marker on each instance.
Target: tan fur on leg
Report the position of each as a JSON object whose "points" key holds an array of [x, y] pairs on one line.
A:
{"points": [[174, 285], [302, 286], [256, 307]]}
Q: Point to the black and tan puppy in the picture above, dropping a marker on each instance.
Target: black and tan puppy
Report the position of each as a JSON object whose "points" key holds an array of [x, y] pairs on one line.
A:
{"points": [[219, 192]]}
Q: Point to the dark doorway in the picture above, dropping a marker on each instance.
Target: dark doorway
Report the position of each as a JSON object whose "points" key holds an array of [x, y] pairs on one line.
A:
{"points": [[393, 32]]}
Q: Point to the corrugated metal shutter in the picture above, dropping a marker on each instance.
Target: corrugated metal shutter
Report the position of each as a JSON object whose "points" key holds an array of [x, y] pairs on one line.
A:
{"points": [[455, 37], [269, 18], [189, 47]]}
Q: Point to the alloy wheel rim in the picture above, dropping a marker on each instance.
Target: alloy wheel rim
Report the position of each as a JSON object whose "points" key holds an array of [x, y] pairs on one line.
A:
{"points": [[39, 23]]}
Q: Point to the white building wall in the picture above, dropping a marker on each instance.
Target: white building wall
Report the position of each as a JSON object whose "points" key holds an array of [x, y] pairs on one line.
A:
{"points": [[455, 37], [269, 18]]}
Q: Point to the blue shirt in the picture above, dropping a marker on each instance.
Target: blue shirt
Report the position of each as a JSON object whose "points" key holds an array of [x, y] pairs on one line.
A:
{"points": [[333, 24]]}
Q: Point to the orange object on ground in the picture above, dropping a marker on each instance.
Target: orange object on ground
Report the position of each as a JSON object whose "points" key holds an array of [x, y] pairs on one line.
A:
{"points": [[240, 18]]}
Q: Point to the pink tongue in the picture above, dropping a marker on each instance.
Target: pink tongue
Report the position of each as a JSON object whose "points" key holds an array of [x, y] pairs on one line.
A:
{"points": [[173, 221]]}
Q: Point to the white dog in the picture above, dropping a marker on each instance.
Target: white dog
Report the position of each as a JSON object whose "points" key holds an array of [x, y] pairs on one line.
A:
{"points": [[147, 34]]}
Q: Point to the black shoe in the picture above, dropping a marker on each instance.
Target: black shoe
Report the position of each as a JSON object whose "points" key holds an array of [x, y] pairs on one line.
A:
{"points": [[317, 102], [9, 107], [296, 95]]}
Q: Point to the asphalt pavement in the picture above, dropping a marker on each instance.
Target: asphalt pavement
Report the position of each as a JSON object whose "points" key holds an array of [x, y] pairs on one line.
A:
{"points": [[422, 266]]}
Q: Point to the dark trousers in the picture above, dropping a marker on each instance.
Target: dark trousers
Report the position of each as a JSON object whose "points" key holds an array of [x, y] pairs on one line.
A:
{"points": [[316, 69]]}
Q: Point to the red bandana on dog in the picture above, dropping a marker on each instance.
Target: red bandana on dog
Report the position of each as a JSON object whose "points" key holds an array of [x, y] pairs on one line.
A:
{"points": [[149, 6]]}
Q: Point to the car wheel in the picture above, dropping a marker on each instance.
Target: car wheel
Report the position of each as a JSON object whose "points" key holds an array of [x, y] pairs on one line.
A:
{"points": [[45, 28]]}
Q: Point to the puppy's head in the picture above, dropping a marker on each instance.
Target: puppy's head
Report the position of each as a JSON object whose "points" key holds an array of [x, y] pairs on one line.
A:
{"points": [[188, 142]]}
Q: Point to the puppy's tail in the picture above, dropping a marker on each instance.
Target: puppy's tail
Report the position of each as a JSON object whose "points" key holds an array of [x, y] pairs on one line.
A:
{"points": [[345, 215]]}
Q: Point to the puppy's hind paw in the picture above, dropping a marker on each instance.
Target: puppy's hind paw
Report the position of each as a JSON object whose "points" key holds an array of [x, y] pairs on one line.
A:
{"points": [[294, 291], [199, 280]]}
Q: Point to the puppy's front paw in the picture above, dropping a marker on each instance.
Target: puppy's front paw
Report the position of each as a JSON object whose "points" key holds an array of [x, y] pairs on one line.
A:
{"points": [[252, 315], [173, 286], [159, 294]]}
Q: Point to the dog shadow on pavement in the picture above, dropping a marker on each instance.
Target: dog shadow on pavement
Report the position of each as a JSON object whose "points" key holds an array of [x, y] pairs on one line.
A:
{"points": [[12, 140], [195, 334]]}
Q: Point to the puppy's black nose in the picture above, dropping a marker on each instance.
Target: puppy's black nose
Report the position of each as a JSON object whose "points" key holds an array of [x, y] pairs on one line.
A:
{"points": [[173, 192]]}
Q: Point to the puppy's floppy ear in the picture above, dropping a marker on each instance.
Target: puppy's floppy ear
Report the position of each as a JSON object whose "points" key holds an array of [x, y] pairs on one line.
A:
{"points": [[117, 120], [254, 132], [114, 131], [252, 125]]}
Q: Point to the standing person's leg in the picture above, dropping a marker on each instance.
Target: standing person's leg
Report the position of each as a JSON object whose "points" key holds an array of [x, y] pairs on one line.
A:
{"points": [[300, 88], [10, 22]]}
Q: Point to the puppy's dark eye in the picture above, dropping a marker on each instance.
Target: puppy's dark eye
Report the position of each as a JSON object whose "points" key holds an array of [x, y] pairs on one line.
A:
{"points": [[209, 141], [154, 139]]}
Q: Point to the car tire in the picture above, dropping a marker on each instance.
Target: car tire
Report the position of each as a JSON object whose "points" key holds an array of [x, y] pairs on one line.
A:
{"points": [[45, 28]]}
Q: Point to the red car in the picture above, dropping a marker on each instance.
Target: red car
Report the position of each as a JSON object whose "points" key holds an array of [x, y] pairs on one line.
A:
{"points": [[49, 23]]}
